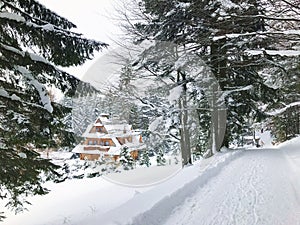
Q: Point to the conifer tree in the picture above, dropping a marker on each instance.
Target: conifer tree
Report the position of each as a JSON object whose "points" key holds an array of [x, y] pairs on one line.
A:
{"points": [[126, 158], [238, 40], [160, 159], [145, 159], [33, 42]]}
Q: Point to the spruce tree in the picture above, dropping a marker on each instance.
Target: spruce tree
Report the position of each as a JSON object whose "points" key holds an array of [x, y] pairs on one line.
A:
{"points": [[33, 42], [126, 159], [236, 39], [145, 159], [285, 117], [160, 159]]}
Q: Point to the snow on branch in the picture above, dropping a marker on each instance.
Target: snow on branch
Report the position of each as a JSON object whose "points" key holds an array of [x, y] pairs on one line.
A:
{"points": [[237, 35], [12, 16], [175, 94], [44, 97], [279, 111], [35, 22], [38, 58], [31, 12], [5, 94], [226, 93], [268, 17], [291, 4], [274, 52], [33, 57], [12, 49]]}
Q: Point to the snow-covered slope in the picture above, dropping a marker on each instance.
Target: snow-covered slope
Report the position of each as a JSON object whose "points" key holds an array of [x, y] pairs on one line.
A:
{"points": [[259, 186]]}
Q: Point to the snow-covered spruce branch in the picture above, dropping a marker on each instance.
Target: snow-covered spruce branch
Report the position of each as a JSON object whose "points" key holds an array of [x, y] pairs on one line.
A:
{"points": [[282, 110], [44, 25], [154, 74], [17, 98], [267, 17], [25, 15], [290, 53], [33, 57], [164, 136], [44, 97], [45, 100], [291, 4], [263, 33]]}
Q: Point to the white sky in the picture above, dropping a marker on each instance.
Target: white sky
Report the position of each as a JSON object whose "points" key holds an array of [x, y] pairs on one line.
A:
{"points": [[93, 20]]}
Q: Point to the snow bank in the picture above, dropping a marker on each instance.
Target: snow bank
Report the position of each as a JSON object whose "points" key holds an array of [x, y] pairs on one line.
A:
{"points": [[162, 199], [293, 144], [71, 201]]}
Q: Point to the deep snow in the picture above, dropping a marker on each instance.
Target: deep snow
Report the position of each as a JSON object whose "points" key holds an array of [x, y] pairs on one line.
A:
{"points": [[258, 186]]}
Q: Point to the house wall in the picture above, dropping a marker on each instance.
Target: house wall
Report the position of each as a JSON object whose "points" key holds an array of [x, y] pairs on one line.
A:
{"points": [[99, 141], [99, 129], [116, 157], [134, 154], [96, 148], [105, 140], [93, 157], [84, 156], [123, 140], [86, 142]]}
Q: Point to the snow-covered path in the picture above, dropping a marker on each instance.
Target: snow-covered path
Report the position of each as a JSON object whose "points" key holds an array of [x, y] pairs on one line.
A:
{"points": [[259, 187]]}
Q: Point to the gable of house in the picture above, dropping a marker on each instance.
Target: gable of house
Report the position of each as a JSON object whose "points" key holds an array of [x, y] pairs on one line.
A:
{"points": [[105, 138]]}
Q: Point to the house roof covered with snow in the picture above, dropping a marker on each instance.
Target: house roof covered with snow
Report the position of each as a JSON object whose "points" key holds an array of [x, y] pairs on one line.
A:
{"points": [[116, 129]]}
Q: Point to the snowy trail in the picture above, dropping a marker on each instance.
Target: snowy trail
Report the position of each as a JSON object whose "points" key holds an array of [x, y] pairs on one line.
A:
{"points": [[259, 187]]}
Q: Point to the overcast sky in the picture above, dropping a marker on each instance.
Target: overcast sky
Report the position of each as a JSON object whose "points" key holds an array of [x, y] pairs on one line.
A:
{"points": [[93, 20]]}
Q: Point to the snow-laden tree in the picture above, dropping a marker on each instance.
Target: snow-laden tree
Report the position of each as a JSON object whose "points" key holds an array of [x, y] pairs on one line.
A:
{"points": [[285, 116], [160, 159], [238, 40], [144, 159], [165, 70], [126, 159], [202, 26], [33, 42], [86, 107]]}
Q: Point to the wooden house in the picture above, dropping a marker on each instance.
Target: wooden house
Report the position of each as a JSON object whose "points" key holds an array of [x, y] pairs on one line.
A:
{"points": [[105, 138]]}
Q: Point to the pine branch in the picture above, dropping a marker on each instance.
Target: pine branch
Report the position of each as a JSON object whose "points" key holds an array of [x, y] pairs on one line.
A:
{"points": [[56, 19], [291, 4], [266, 17]]}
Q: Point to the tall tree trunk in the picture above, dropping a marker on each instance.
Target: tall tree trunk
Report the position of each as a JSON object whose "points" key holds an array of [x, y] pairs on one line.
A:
{"points": [[218, 64], [214, 119], [184, 129]]}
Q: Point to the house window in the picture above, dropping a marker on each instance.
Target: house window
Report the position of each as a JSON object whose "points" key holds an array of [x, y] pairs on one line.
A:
{"points": [[99, 129], [101, 143], [107, 143], [95, 142], [90, 142]]}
